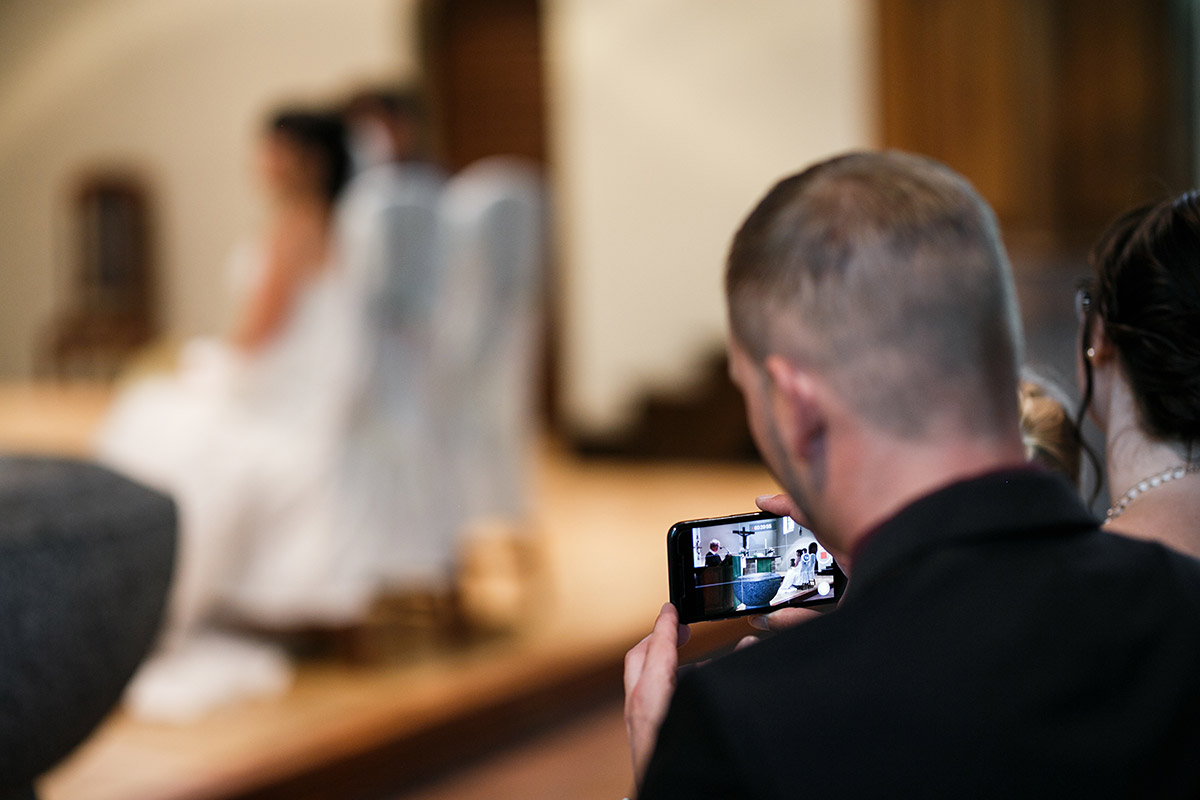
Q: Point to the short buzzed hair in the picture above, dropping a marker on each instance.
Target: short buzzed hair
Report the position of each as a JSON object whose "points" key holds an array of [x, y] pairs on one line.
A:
{"points": [[885, 273]]}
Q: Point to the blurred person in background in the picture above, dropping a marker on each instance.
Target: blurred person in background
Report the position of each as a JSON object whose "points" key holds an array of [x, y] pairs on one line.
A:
{"points": [[1050, 436], [247, 434], [1139, 366], [391, 241], [451, 273], [386, 126]]}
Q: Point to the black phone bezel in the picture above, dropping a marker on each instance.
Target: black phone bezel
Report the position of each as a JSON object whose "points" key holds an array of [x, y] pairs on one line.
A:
{"points": [[681, 531]]}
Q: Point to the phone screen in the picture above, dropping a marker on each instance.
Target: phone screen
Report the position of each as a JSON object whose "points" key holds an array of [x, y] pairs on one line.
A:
{"points": [[747, 564]]}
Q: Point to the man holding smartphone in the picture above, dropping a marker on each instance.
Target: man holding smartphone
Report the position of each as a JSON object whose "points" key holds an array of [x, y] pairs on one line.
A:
{"points": [[992, 642]]}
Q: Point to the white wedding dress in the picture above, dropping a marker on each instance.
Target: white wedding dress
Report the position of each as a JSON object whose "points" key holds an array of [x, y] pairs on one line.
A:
{"points": [[250, 447]]}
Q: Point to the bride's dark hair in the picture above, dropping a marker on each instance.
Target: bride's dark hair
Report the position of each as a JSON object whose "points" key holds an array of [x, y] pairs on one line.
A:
{"points": [[323, 137], [1146, 289]]}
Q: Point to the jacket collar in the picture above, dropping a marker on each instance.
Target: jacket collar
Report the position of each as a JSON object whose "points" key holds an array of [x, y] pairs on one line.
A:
{"points": [[1011, 503]]}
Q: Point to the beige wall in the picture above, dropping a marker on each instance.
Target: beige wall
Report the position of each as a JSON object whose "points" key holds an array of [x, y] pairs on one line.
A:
{"points": [[174, 90], [670, 119]]}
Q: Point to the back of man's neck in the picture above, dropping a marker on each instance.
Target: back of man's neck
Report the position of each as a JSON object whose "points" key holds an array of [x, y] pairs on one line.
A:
{"points": [[866, 490]]}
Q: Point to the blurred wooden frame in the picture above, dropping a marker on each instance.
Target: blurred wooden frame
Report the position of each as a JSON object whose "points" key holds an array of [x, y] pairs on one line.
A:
{"points": [[1063, 113], [109, 310]]}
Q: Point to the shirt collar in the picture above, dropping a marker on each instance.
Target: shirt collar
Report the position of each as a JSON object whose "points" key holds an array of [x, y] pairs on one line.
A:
{"points": [[1010, 502]]}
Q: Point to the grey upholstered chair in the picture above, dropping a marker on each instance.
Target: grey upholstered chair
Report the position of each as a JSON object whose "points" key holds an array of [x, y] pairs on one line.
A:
{"points": [[85, 563]]}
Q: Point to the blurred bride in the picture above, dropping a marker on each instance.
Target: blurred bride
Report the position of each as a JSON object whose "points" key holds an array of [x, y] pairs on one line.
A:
{"points": [[245, 436]]}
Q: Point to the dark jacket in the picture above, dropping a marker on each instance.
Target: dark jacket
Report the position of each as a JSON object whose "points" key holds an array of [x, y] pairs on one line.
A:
{"points": [[993, 642]]}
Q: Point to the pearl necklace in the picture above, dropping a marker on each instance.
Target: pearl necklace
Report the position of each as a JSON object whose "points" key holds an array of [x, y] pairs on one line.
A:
{"points": [[1145, 485]]}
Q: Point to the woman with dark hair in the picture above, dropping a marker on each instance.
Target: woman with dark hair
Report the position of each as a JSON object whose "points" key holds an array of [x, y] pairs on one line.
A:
{"points": [[1139, 365], [303, 165], [246, 435]]}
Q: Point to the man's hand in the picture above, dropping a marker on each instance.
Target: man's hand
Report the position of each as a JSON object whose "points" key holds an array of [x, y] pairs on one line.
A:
{"points": [[783, 618], [780, 504], [649, 683]]}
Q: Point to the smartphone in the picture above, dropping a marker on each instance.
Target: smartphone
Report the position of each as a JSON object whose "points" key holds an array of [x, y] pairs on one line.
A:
{"points": [[747, 564]]}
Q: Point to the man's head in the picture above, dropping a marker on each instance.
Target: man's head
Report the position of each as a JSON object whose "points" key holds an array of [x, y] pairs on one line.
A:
{"points": [[714, 545], [881, 277], [386, 125]]}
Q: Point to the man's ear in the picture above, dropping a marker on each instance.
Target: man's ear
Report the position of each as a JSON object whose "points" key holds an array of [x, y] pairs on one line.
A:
{"points": [[796, 404]]}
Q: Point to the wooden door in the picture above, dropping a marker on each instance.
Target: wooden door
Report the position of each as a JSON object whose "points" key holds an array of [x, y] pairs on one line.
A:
{"points": [[1063, 113], [483, 61]]}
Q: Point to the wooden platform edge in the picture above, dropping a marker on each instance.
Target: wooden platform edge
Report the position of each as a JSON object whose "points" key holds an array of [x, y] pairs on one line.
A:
{"points": [[400, 762]]}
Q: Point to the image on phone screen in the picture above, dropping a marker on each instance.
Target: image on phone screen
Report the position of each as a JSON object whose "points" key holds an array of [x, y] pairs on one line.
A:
{"points": [[748, 563]]}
